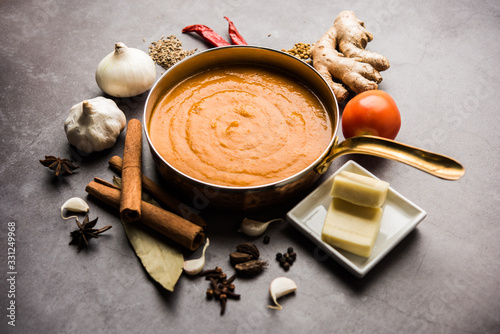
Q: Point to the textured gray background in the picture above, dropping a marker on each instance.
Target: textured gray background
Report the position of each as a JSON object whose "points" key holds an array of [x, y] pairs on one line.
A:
{"points": [[443, 278]]}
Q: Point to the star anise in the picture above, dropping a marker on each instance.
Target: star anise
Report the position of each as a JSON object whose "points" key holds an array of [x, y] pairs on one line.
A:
{"points": [[58, 165], [86, 230]]}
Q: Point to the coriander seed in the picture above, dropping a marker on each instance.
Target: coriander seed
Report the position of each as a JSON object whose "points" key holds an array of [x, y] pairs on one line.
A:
{"points": [[167, 52]]}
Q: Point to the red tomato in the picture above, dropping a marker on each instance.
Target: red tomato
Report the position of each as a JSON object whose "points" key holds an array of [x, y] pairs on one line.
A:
{"points": [[373, 112]]}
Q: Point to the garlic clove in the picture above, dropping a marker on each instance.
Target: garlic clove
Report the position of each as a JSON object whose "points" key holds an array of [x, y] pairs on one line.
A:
{"points": [[255, 228], [278, 288], [195, 266], [74, 204]]}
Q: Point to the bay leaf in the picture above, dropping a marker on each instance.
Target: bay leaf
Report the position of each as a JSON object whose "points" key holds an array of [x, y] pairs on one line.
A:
{"points": [[162, 260]]}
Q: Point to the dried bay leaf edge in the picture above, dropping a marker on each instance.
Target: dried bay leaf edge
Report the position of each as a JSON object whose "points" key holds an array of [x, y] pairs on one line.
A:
{"points": [[163, 261]]}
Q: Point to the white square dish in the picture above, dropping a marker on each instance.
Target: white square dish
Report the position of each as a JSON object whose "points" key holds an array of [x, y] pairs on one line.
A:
{"points": [[400, 217]]}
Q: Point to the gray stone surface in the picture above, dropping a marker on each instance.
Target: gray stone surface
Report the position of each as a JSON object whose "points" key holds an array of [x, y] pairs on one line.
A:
{"points": [[443, 278]]}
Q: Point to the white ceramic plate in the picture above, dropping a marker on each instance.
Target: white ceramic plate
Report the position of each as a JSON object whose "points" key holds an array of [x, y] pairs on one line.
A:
{"points": [[400, 217]]}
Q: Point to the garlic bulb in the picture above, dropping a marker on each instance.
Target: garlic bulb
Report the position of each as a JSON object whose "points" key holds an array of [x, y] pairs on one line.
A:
{"points": [[126, 72], [94, 125], [278, 288], [74, 204]]}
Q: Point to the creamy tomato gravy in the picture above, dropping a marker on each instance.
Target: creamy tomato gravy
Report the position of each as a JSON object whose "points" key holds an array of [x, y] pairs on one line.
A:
{"points": [[240, 125]]}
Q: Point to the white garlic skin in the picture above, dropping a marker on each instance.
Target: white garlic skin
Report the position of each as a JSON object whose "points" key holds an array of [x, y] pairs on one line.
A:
{"points": [[74, 204], [280, 287], [254, 228], [126, 72], [94, 125], [194, 267]]}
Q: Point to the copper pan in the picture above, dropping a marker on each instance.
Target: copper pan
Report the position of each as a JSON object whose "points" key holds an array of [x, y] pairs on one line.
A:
{"points": [[259, 197]]}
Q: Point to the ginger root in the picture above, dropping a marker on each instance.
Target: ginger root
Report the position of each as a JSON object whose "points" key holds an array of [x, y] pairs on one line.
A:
{"points": [[340, 54]]}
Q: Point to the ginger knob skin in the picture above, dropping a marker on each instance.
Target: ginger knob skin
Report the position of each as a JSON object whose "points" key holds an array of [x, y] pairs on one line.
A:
{"points": [[340, 55]]}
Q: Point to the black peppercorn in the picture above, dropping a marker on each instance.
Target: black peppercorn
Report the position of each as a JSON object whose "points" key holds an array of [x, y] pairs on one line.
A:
{"points": [[279, 256], [266, 239], [290, 250]]}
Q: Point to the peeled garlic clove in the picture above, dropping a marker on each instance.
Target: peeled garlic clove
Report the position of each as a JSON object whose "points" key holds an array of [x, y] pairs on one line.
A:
{"points": [[195, 266], [75, 204], [279, 287], [255, 228]]}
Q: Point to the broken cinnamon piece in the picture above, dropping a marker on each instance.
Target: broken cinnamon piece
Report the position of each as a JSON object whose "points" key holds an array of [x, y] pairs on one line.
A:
{"points": [[165, 198], [130, 203], [175, 228]]}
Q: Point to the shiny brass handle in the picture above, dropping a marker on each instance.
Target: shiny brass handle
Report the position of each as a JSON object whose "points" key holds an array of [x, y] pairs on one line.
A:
{"points": [[432, 163]]}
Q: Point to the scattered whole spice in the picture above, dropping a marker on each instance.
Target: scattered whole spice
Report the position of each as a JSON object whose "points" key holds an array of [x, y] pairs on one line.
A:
{"points": [[286, 259], [58, 165], [216, 270], [248, 248], [239, 257], [221, 287], [167, 52], [85, 231], [300, 50], [250, 268], [246, 260]]}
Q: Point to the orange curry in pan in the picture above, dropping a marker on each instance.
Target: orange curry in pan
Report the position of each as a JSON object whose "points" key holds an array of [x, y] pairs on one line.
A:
{"points": [[240, 125]]}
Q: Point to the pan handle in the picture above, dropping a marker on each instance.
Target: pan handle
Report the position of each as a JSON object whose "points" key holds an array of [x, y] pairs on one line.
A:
{"points": [[432, 163]]}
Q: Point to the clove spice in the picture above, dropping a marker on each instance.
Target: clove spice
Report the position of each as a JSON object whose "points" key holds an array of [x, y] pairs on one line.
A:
{"points": [[221, 287]]}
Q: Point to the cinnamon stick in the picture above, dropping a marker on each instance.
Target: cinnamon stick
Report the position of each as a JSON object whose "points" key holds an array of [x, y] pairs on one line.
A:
{"points": [[165, 198], [175, 228], [130, 203]]}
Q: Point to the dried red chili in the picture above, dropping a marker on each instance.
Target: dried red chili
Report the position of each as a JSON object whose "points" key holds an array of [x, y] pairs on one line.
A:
{"points": [[207, 34], [236, 38]]}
